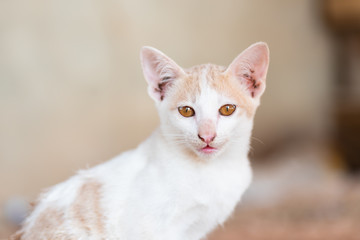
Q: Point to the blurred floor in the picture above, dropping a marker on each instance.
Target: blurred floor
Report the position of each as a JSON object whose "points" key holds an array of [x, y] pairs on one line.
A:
{"points": [[306, 217]]}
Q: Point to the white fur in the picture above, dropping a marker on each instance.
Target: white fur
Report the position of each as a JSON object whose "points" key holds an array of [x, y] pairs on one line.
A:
{"points": [[152, 192], [156, 192]]}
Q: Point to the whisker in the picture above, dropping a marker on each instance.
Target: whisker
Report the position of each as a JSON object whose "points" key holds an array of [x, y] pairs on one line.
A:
{"points": [[258, 140]]}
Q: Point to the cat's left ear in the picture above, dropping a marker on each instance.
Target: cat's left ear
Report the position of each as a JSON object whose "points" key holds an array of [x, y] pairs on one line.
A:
{"points": [[159, 71], [250, 69]]}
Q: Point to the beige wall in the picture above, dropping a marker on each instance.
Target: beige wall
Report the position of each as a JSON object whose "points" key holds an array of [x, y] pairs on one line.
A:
{"points": [[71, 87]]}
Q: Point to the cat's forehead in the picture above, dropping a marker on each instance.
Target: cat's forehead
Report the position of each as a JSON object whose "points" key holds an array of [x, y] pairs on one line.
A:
{"points": [[205, 71], [200, 78], [197, 79]]}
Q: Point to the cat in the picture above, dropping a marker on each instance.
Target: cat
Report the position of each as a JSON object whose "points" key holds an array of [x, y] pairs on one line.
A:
{"points": [[181, 182]]}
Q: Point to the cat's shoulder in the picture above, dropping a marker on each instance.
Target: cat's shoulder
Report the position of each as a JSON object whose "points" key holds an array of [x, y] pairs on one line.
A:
{"points": [[87, 189], [96, 177]]}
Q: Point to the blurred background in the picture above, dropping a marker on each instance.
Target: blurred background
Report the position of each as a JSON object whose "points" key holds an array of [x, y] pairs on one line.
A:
{"points": [[69, 70]]}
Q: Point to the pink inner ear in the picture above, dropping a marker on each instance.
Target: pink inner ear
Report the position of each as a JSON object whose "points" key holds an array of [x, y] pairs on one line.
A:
{"points": [[250, 67]]}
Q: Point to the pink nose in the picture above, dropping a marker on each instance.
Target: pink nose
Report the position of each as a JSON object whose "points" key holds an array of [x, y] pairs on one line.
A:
{"points": [[207, 138]]}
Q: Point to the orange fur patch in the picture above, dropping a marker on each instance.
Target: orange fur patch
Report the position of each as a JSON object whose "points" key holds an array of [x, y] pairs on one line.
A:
{"points": [[187, 87], [48, 225], [230, 87], [85, 214], [86, 209]]}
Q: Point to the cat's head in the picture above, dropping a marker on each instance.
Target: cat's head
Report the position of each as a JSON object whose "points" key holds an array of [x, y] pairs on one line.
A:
{"points": [[205, 108]]}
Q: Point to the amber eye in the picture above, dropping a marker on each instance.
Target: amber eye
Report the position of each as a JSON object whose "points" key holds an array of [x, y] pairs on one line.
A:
{"points": [[186, 111], [227, 109]]}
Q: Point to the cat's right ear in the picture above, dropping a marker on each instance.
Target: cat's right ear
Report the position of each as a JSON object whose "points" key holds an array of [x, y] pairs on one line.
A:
{"points": [[159, 71]]}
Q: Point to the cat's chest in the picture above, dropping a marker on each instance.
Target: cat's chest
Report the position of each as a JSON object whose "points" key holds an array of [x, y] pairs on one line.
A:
{"points": [[183, 199], [213, 192]]}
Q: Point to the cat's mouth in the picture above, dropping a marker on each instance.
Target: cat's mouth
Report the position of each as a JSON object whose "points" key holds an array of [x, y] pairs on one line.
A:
{"points": [[208, 149]]}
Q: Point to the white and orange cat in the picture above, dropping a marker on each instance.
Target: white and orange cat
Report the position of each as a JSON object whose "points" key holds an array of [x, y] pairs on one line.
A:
{"points": [[181, 182]]}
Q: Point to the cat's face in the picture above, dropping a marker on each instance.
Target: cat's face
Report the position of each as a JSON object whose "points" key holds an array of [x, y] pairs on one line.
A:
{"points": [[206, 108]]}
